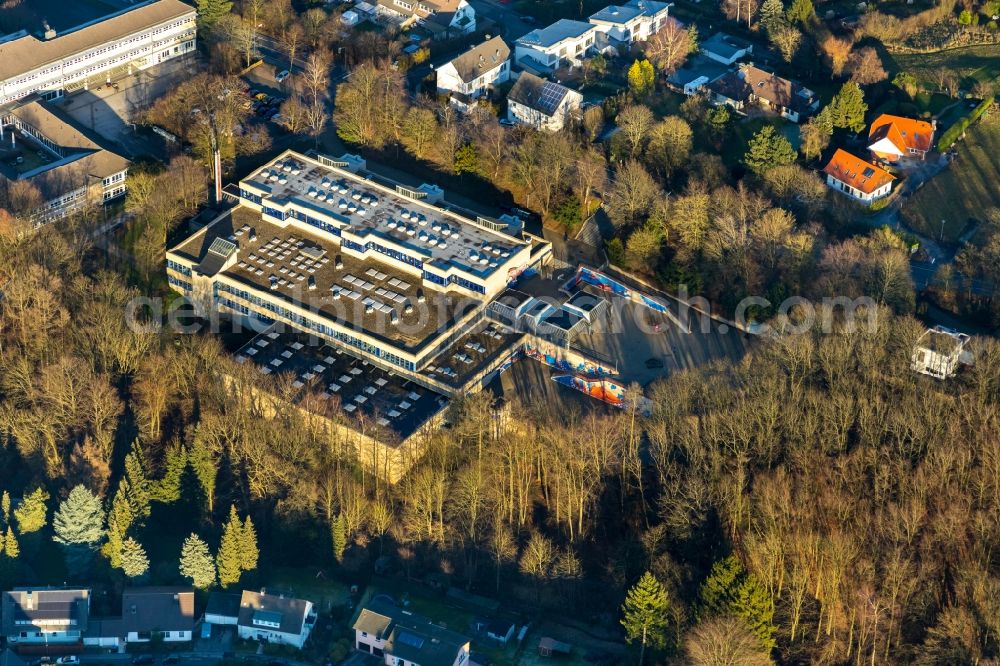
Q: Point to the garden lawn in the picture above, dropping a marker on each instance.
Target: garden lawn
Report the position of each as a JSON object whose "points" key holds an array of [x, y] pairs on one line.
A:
{"points": [[970, 64], [963, 191]]}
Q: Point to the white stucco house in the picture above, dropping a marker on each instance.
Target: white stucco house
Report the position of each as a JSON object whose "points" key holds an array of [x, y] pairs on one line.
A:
{"points": [[42, 616], [856, 178], [565, 42], [634, 21], [542, 104], [472, 74], [275, 618]]}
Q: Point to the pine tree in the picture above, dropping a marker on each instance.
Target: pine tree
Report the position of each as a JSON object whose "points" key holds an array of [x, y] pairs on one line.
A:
{"points": [[120, 518], [134, 561], [205, 465], [210, 11], [644, 613], [5, 508], [772, 15], [249, 553], [801, 11], [168, 489], [10, 546], [80, 519], [196, 562], [848, 108], [730, 590], [338, 533], [31, 515], [138, 482], [229, 558], [768, 149]]}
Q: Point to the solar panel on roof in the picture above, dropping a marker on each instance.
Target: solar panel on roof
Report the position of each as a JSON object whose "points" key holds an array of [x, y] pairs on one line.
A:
{"points": [[550, 96]]}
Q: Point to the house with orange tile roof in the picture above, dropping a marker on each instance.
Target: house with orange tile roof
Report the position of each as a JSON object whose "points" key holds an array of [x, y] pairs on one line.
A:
{"points": [[894, 137], [857, 178]]}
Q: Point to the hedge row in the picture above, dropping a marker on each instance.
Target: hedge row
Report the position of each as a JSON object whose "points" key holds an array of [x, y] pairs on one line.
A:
{"points": [[951, 135]]}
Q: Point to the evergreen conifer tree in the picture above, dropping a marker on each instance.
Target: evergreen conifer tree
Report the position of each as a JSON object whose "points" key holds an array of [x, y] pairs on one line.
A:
{"points": [[730, 590], [249, 551], [196, 562], [205, 465], [11, 548], [338, 533], [210, 11], [772, 15], [138, 489], [120, 518], [5, 508], [229, 558], [80, 519], [768, 149], [848, 108], [644, 613], [134, 561], [168, 488]]}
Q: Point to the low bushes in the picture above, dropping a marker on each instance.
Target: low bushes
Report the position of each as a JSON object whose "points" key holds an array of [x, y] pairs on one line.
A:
{"points": [[951, 135]]}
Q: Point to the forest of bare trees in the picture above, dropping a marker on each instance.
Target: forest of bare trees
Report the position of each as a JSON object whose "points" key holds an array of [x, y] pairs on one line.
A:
{"points": [[863, 498]]}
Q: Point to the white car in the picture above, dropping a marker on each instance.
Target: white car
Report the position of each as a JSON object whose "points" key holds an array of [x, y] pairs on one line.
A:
{"points": [[69, 660], [281, 76]]}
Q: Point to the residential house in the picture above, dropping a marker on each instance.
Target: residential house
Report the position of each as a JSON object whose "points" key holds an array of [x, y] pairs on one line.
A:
{"points": [[275, 618], [938, 352], [895, 137], [223, 608], [725, 49], [696, 73], [163, 612], [542, 104], [77, 170], [402, 638], [753, 85], [624, 25], [447, 18], [857, 178], [472, 74], [565, 42], [45, 615]]}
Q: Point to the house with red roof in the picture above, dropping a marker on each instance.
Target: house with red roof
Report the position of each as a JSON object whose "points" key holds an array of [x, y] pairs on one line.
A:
{"points": [[895, 137], [857, 178]]}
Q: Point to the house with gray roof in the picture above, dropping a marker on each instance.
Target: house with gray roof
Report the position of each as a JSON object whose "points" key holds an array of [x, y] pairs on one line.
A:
{"points": [[403, 638], [634, 21], [275, 618], [472, 74], [544, 105], [565, 42], [441, 17], [166, 613], [45, 615], [725, 49]]}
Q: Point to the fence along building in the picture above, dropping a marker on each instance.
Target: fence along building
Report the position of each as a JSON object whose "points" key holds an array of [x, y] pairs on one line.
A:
{"points": [[135, 38]]}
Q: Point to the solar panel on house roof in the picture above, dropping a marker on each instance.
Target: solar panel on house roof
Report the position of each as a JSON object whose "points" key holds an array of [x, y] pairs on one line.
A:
{"points": [[550, 96]]}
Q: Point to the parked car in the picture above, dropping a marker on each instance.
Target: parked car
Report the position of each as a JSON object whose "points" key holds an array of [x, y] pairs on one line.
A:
{"points": [[282, 75], [143, 660], [68, 660]]}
